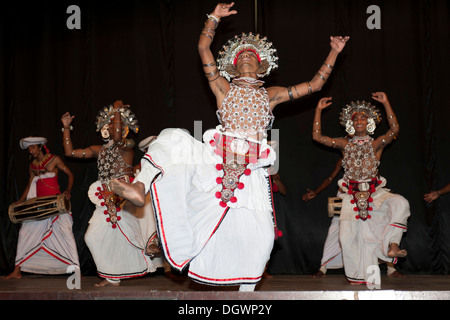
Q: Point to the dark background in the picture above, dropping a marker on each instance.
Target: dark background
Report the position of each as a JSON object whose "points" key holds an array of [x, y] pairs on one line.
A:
{"points": [[145, 53]]}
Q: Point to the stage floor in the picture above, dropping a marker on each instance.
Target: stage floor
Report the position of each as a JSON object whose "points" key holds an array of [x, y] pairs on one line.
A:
{"points": [[279, 287]]}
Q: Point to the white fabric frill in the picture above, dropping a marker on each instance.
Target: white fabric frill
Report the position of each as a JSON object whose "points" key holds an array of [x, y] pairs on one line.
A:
{"points": [[119, 252], [220, 245], [366, 242]]}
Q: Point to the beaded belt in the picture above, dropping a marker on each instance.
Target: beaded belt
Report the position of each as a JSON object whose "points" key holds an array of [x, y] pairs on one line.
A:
{"points": [[236, 153], [362, 191], [111, 200]]}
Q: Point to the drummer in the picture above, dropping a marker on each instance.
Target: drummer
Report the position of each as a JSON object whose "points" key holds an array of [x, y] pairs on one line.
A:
{"points": [[44, 246]]}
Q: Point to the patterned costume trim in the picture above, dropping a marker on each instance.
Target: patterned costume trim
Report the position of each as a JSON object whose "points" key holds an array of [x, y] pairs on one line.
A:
{"points": [[236, 154], [361, 193]]}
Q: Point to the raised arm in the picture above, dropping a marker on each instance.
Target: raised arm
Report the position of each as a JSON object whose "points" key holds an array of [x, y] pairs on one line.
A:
{"points": [[278, 95], [69, 151], [394, 128], [217, 83], [317, 127]]}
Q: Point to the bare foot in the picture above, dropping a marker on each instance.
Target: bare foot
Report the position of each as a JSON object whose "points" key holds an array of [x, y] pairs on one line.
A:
{"points": [[318, 274], [16, 274], [106, 283], [135, 192], [153, 251], [395, 251]]}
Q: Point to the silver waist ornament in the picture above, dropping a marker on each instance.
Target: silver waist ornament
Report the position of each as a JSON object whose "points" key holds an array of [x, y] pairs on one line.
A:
{"points": [[362, 192]]}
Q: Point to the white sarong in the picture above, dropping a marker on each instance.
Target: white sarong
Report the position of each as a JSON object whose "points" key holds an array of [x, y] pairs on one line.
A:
{"points": [[46, 246], [364, 242], [332, 251], [119, 253], [220, 245]]}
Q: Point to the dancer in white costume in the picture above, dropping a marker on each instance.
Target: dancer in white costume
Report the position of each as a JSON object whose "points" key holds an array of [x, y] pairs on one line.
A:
{"points": [[212, 200], [148, 224], [332, 251], [372, 219], [118, 232], [45, 246]]}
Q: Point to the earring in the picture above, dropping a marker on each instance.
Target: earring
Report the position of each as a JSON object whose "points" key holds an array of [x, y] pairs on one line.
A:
{"points": [[370, 126], [105, 132], [349, 127], [262, 68]]}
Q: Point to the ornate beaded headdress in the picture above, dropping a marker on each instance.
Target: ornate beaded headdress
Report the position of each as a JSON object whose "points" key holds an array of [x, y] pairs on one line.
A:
{"points": [[372, 113], [264, 50], [128, 118]]}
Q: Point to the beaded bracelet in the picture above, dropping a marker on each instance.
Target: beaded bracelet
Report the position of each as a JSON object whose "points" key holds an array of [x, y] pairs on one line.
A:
{"points": [[70, 128]]}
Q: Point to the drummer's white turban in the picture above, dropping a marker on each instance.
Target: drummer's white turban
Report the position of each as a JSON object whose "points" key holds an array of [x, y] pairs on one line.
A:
{"points": [[30, 141]]}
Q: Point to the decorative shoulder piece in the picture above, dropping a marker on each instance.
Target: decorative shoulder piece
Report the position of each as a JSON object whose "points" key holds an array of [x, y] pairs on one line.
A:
{"points": [[267, 54]]}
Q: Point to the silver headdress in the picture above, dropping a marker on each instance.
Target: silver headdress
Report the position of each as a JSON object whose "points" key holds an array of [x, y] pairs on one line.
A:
{"points": [[107, 113], [263, 49], [372, 113]]}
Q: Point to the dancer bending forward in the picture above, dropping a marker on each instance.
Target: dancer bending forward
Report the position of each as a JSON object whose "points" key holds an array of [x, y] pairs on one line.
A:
{"points": [[212, 200]]}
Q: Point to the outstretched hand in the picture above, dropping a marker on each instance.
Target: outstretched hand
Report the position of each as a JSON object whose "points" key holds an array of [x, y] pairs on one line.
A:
{"points": [[380, 97], [223, 10], [430, 197], [324, 102], [338, 43], [309, 195], [66, 120]]}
